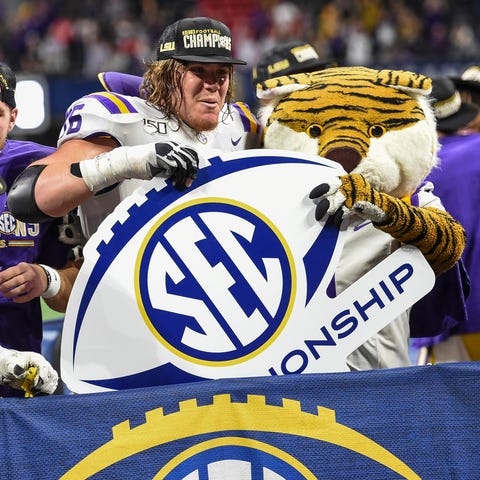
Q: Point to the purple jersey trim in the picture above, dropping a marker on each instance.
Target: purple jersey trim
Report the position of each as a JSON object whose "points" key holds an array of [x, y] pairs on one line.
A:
{"points": [[114, 103], [250, 123], [21, 326]]}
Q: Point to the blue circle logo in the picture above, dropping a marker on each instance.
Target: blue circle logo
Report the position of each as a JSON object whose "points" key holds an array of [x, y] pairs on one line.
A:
{"points": [[215, 281]]}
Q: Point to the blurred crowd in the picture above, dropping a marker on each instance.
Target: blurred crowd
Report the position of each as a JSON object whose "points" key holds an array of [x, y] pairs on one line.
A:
{"points": [[68, 37]]}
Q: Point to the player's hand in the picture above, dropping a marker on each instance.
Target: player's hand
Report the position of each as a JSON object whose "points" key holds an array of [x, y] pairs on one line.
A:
{"points": [[14, 366], [349, 194], [162, 159], [177, 162], [23, 282]]}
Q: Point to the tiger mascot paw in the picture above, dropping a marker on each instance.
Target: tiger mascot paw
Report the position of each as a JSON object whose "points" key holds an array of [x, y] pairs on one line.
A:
{"points": [[348, 194]]}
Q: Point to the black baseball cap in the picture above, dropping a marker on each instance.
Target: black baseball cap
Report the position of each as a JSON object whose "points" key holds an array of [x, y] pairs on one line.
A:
{"points": [[8, 83], [289, 58], [470, 79], [199, 39], [451, 112]]}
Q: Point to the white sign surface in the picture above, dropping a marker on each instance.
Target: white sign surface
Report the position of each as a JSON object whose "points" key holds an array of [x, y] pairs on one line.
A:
{"points": [[226, 279]]}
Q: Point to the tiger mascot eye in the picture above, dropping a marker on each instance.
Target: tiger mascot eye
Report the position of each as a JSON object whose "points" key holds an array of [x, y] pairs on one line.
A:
{"points": [[380, 126]]}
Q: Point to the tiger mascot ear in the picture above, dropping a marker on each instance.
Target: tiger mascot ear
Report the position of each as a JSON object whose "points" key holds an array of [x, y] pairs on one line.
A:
{"points": [[379, 123], [413, 83]]}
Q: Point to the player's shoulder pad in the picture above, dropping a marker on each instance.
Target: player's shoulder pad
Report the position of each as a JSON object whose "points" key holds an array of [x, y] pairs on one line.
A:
{"points": [[99, 113], [119, 82], [111, 102]]}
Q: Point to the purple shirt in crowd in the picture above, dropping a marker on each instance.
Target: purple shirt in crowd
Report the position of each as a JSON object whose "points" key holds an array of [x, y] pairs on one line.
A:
{"points": [[21, 326], [457, 183]]}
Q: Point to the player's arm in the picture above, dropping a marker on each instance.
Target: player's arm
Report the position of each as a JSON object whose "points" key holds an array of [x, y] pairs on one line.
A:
{"points": [[48, 188], [432, 230], [57, 184], [25, 281], [67, 276]]}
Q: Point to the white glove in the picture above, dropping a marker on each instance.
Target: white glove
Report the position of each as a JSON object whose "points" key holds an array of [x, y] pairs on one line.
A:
{"points": [[14, 367], [165, 159]]}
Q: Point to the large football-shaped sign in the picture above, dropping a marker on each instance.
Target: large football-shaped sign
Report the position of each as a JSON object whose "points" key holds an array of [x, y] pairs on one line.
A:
{"points": [[226, 279]]}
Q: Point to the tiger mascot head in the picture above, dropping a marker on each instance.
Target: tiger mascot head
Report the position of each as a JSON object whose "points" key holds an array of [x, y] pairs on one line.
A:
{"points": [[379, 123]]}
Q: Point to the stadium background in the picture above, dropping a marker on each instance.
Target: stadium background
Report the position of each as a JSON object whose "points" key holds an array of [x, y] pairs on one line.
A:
{"points": [[428, 416]]}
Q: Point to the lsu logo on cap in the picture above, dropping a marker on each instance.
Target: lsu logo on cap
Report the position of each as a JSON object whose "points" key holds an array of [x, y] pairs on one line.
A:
{"points": [[166, 47], [278, 66]]}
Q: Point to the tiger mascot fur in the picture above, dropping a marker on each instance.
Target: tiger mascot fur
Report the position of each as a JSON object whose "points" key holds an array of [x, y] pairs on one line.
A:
{"points": [[380, 126]]}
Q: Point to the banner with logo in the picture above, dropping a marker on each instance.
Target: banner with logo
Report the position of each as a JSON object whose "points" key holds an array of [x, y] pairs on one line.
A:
{"points": [[410, 423], [227, 279]]}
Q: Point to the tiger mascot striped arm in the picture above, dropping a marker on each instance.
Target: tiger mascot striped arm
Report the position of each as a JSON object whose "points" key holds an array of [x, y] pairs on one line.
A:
{"points": [[379, 125], [433, 231]]}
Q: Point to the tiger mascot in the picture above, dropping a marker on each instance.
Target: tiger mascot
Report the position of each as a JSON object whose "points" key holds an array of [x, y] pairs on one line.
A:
{"points": [[380, 126]]}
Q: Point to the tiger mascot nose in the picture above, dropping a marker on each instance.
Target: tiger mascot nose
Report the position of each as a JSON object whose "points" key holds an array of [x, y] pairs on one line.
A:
{"points": [[347, 157]]}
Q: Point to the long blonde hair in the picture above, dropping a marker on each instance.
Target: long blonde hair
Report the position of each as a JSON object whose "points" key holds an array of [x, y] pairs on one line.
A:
{"points": [[162, 81]]}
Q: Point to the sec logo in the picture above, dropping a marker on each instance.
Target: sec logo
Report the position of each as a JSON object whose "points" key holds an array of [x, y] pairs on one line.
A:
{"points": [[223, 264], [202, 283], [271, 442]]}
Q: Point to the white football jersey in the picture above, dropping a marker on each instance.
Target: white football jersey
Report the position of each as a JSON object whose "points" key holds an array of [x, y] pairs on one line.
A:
{"points": [[132, 121]]}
